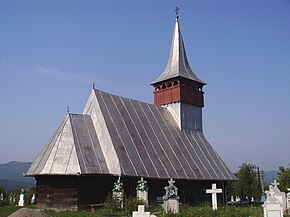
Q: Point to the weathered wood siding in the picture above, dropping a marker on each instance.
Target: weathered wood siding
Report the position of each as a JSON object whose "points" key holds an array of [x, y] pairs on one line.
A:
{"points": [[59, 192], [74, 192]]}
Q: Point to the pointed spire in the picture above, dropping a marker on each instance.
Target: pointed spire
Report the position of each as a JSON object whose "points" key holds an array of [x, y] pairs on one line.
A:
{"points": [[177, 65]]}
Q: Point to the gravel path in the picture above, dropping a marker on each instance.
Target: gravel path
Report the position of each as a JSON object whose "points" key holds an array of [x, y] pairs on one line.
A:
{"points": [[25, 212]]}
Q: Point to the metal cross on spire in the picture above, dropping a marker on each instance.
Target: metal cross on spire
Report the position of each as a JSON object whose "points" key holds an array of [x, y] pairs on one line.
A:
{"points": [[176, 11]]}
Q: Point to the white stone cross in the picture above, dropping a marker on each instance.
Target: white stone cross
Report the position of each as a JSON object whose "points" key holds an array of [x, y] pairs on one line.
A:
{"points": [[21, 198], [32, 199], [141, 212], [271, 192], [213, 191], [267, 193], [171, 182], [275, 183]]}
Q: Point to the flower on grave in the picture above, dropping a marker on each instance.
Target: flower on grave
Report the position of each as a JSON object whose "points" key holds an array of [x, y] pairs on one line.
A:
{"points": [[142, 185], [118, 186], [171, 192]]}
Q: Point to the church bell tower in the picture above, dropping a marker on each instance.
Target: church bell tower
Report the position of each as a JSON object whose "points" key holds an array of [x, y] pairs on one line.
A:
{"points": [[178, 88]]}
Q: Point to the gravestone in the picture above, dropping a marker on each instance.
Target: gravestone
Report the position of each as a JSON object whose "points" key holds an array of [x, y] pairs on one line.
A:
{"points": [[288, 200], [238, 199], [171, 198], [21, 198], [142, 191], [32, 199], [118, 193], [281, 196], [10, 198], [232, 198], [14, 199], [141, 212], [214, 191], [272, 206]]}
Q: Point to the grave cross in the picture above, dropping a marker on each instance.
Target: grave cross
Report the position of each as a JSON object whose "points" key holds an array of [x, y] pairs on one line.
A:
{"points": [[275, 183], [271, 192], [171, 182], [141, 212], [213, 191]]}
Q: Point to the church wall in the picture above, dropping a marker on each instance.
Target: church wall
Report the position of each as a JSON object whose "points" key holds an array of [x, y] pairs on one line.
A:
{"points": [[191, 117], [190, 192], [187, 116], [74, 192], [94, 189], [174, 109], [60, 192]]}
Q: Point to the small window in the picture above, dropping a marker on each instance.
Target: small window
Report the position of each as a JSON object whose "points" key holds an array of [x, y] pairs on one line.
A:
{"points": [[175, 83]]}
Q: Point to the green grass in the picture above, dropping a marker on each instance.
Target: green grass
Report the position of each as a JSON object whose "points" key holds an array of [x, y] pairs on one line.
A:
{"points": [[185, 211], [7, 210]]}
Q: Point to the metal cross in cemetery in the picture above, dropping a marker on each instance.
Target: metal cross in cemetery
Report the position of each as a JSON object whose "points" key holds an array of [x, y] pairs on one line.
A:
{"points": [[214, 191]]}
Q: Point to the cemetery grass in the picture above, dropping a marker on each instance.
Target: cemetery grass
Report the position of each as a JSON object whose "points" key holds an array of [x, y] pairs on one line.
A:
{"points": [[7, 210], [185, 211]]}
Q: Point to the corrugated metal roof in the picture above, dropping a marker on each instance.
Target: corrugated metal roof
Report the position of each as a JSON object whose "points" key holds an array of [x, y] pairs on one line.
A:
{"points": [[121, 136], [177, 65], [72, 150], [148, 142]]}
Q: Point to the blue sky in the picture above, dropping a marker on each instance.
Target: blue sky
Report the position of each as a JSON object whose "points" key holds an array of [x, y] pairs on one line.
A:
{"points": [[52, 51]]}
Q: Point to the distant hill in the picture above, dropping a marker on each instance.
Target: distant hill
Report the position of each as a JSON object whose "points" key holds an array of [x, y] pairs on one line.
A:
{"points": [[11, 175]]}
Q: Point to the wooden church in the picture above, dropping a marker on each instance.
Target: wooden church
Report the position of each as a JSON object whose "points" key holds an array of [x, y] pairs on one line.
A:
{"points": [[120, 137]]}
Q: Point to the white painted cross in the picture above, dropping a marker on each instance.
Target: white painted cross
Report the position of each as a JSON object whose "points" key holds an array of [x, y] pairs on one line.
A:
{"points": [[171, 182], [213, 191], [21, 198], [140, 212], [275, 183], [271, 192]]}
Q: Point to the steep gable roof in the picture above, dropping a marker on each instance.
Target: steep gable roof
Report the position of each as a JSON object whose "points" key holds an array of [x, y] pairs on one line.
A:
{"points": [[72, 150], [121, 136]]}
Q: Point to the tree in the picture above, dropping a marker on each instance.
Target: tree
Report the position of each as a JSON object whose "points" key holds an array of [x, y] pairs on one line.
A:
{"points": [[284, 178], [247, 184]]}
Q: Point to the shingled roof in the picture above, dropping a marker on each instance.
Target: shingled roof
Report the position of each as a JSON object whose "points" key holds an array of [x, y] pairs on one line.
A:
{"points": [[125, 137]]}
